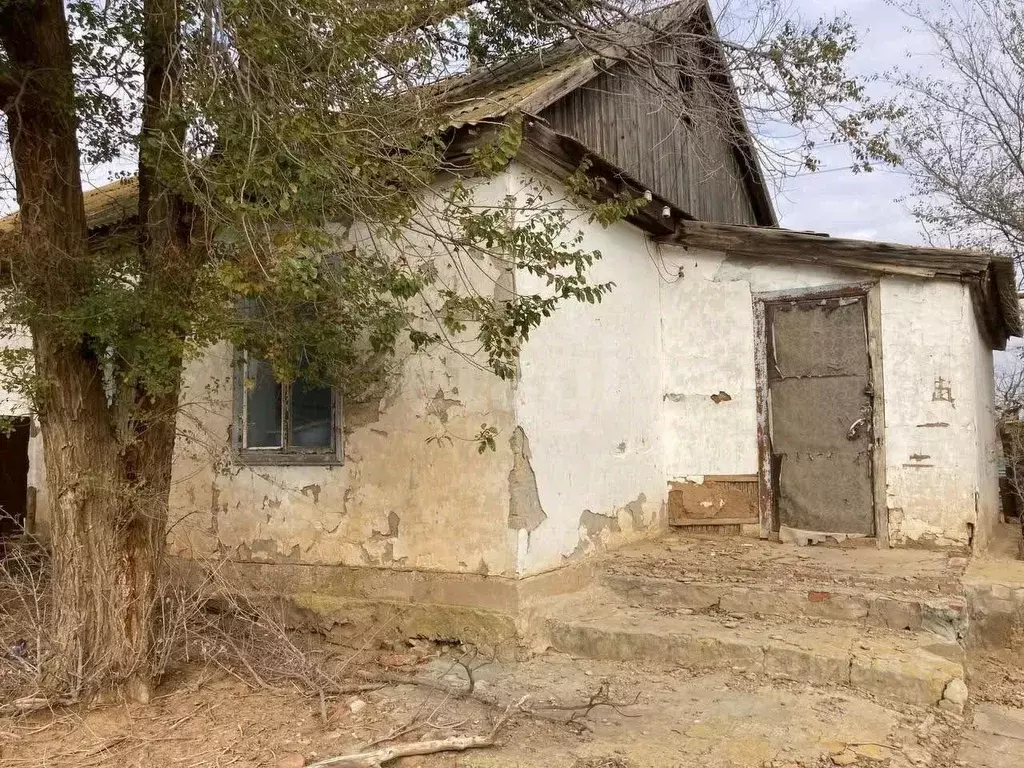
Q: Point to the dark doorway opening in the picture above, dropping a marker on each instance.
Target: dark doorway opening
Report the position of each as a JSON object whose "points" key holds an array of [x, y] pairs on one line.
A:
{"points": [[14, 476]]}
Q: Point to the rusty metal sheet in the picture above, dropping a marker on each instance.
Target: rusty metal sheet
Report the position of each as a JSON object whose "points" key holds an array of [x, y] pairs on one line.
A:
{"points": [[815, 415], [824, 337], [827, 492]]}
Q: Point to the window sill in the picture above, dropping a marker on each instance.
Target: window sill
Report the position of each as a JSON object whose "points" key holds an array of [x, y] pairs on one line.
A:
{"points": [[286, 459]]}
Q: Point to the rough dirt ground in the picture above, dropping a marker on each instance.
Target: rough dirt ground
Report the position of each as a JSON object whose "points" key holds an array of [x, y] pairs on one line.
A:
{"points": [[682, 717], [672, 716]]}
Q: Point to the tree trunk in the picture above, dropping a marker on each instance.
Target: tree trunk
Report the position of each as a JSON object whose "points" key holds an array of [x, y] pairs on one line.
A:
{"points": [[106, 543], [108, 495]]}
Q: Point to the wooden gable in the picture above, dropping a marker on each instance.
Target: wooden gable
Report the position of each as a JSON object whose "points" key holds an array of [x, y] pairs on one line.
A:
{"points": [[685, 160], [684, 138]]}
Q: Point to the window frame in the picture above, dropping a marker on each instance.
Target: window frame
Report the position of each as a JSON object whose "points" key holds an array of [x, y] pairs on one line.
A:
{"points": [[286, 455]]}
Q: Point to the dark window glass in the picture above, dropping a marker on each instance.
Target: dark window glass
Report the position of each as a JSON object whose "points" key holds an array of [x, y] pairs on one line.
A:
{"points": [[263, 401], [311, 415]]}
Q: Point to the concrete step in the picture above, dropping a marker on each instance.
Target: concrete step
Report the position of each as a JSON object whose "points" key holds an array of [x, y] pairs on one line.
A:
{"points": [[943, 616], [909, 667]]}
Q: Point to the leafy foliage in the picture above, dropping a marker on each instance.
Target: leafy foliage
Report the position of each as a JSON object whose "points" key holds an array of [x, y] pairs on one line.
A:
{"points": [[961, 137], [304, 140]]}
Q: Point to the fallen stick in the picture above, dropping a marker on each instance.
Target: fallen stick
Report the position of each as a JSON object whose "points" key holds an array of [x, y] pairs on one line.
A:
{"points": [[375, 758], [28, 704]]}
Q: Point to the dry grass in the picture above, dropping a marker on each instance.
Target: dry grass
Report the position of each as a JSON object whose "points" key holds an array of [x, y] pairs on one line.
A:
{"points": [[23, 614], [241, 685], [205, 623]]}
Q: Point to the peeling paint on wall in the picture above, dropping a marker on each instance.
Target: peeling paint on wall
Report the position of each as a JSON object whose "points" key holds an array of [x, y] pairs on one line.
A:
{"points": [[361, 414], [524, 509], [269, 551], [635, 509], [392, 533], [595, 525], [439, 406], [734, 268]]}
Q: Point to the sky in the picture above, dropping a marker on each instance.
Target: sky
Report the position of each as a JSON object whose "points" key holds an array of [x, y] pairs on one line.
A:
{"points": [[834, 200], [866, 205]]}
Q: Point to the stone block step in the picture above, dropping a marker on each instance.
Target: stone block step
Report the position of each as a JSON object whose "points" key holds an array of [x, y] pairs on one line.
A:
{"points": [[944, 616], [914, 668]]}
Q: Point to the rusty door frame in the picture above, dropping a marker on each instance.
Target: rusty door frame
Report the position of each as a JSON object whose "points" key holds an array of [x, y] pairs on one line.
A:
{"points": [[765, 485]]}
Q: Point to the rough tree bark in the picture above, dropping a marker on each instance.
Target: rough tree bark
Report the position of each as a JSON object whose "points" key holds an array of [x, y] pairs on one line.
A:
{"points": [[108, 476]]}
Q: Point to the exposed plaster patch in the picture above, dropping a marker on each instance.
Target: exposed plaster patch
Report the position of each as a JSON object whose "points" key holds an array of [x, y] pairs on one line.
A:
{"points": [[362, 414], [392, 533], [635, 509], [311, 490], [504, 286], [524, 509], [675, 397], [388, 558], [721, 397], [269, 550], [734, 268], [594, 525], [438, 406]]}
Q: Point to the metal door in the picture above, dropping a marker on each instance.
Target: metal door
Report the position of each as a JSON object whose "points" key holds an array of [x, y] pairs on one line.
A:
{"points": [[819, 385]]}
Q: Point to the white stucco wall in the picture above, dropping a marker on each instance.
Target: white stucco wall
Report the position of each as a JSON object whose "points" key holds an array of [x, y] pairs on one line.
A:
{"points": [[13, 403], [928, 332], [401, 499], [989, 448], [940, 421], [708, 331], [589, 403], [612, 402]]}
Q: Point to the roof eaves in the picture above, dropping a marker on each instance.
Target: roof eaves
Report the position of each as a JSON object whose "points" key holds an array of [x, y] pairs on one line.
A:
{"points": [[991, 276], [556, 153]]}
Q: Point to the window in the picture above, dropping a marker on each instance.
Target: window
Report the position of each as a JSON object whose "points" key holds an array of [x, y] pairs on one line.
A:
{"points": [[291, 423]]}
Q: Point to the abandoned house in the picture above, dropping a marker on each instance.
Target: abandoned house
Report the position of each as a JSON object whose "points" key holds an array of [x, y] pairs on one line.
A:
{"points": [[740, 378]]}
